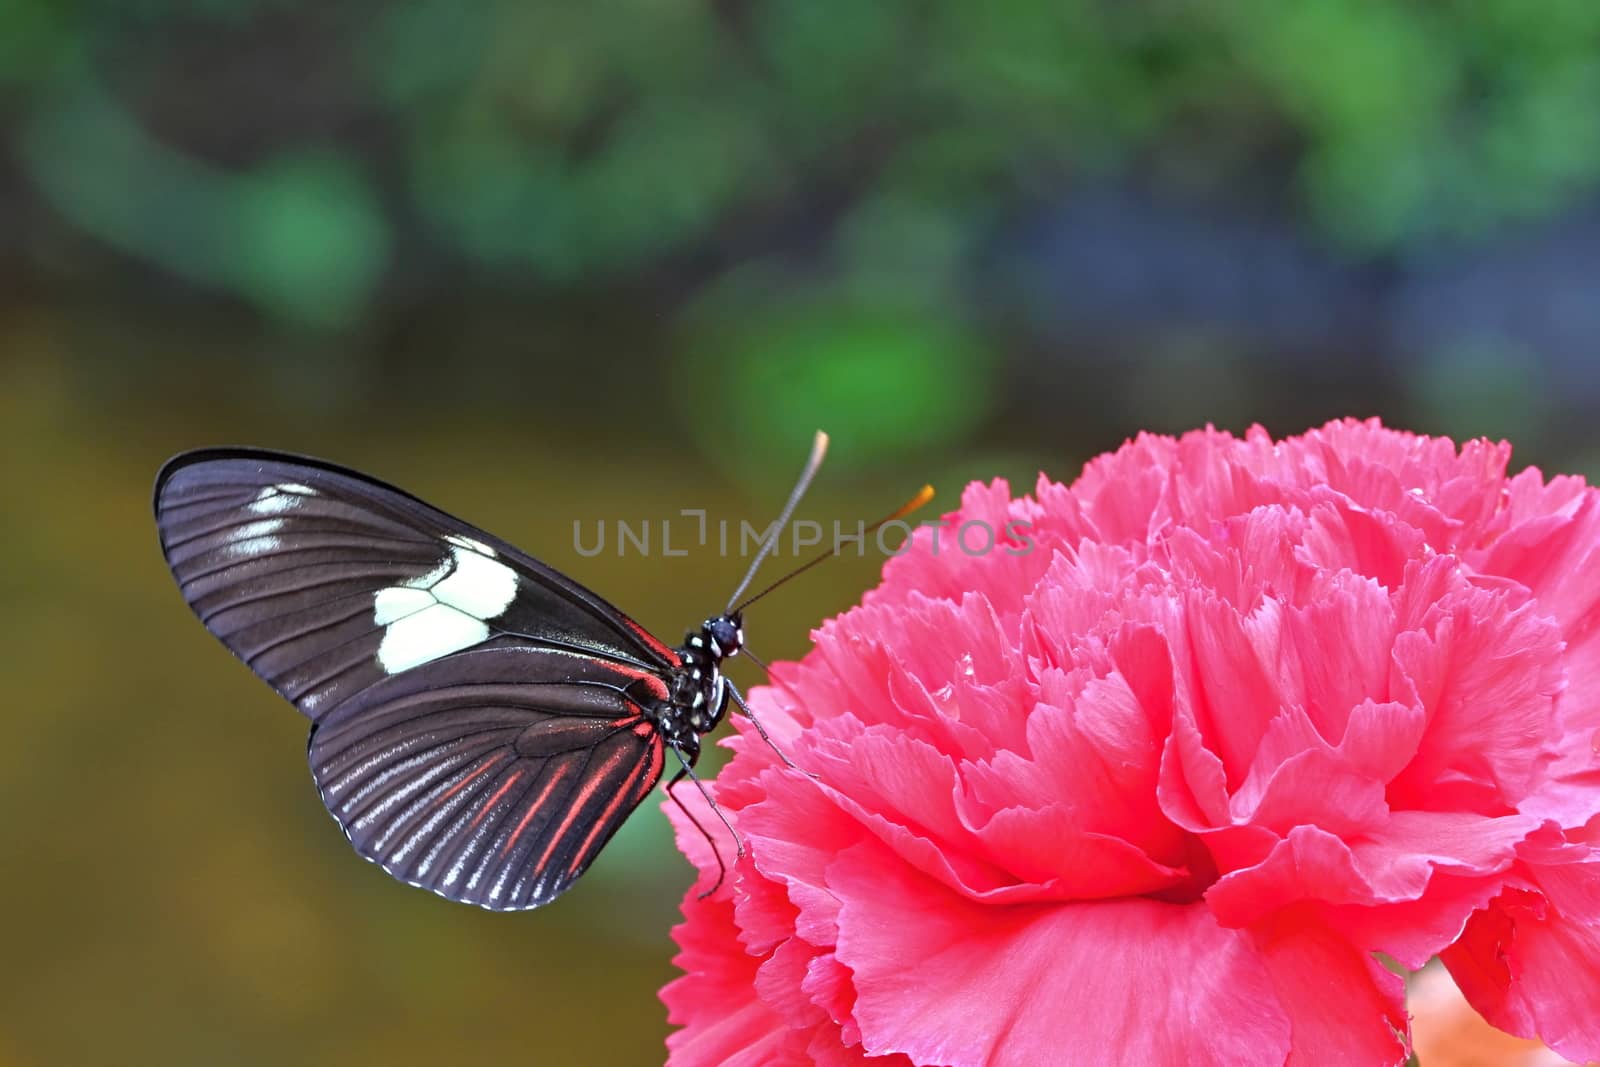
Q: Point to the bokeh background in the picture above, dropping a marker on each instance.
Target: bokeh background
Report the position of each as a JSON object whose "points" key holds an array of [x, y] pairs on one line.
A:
{"points": [[548, 262]]}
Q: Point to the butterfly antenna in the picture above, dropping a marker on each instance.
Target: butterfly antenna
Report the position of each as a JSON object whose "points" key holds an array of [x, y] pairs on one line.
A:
{"points": [[772, 679], [923, 495], [819, 448], [744, 650]]}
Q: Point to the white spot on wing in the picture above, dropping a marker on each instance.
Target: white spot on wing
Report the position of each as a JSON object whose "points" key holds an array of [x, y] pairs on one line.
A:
{"points": [[427, 635], [253, 538], [258, 529], [394, 604], [427, 581], [276, 499], [446, 609], [479, 586], [253, 546], [270, 502]]}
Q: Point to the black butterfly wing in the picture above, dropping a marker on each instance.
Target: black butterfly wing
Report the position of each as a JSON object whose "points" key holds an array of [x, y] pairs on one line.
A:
{"points": [[493, 777], [478, 717], [325, 581]]}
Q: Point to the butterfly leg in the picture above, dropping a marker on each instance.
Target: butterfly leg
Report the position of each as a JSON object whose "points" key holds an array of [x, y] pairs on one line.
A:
{"points": [[738, 842], [738, 698]]}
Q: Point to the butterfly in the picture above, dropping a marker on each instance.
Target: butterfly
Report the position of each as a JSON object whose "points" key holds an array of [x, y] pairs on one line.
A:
{"points": [[481, 724]]}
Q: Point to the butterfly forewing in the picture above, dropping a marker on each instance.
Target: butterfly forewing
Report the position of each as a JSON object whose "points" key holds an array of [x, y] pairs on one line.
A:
{"points": [[480, 725], [325, 581], [494, 777]]}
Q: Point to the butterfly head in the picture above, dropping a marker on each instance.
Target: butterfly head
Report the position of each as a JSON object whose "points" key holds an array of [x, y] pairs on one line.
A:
{"points": [[724, 634]]}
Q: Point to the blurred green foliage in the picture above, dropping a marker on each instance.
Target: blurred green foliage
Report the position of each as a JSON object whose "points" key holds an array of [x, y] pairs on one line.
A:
{"points": [[321, 162], [569, 139]]}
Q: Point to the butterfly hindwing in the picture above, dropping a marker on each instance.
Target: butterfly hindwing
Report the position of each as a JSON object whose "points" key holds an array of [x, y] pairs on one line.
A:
{"points": [[325, 581], [494, 777]]}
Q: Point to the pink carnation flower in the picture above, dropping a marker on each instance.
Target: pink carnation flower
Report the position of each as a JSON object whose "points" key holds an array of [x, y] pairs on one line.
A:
{"points": [[1158, 789]]}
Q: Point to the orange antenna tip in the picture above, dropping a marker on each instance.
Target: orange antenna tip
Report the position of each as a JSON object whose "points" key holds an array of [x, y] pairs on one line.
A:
{"points": [[924, 495]]}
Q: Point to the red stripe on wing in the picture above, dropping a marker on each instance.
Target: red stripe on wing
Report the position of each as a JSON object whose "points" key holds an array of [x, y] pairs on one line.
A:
{"points": [[624, 796], [654, 642], [657, 684], [534, 807], [595, 778]]}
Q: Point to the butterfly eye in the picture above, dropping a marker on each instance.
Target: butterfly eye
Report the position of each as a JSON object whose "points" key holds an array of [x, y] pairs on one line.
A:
{"points": [[724, 633]]}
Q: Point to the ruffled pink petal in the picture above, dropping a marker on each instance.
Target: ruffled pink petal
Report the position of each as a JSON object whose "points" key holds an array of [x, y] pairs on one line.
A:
{"points": [[794, 835], [935, 567], [1344, 536], [1413, 931], [1382, 737], [944, 980], [1328, 655], [1553, 548], [1400, 855], [1240, 558], [1488, 677], [1119, 495], [722, 1021], [900, 780], [1314, 787], [779, 984], [765, 914], [828, 984], [1530, 962], [1448, 494], [1079, 593], [795, 846], [1235, 694], [1391, 864], [1192, 785], [1102, 732], [826, 1051], [1343, 1006], [1048, 846]]}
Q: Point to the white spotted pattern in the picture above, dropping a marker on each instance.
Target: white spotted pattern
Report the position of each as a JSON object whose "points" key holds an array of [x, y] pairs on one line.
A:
{"points": [[445, 610], [254, 538], [276, 499]]}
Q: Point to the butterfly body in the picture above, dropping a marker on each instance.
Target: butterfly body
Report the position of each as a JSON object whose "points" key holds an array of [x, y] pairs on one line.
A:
{"points": [[481, 724], [697, 692]]}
